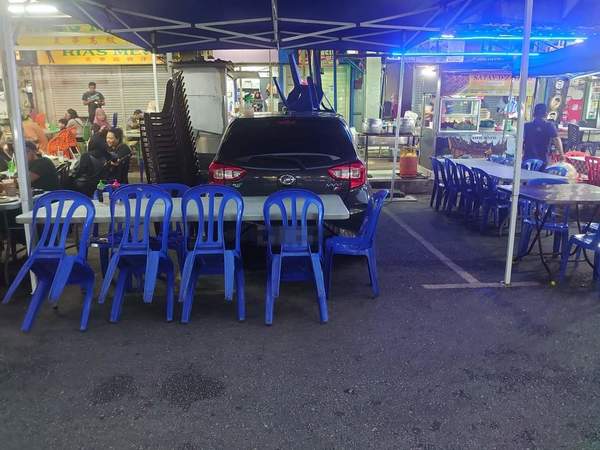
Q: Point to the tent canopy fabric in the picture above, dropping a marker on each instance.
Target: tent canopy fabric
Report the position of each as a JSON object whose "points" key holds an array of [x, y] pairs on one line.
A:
{"points": [[374, 25]]}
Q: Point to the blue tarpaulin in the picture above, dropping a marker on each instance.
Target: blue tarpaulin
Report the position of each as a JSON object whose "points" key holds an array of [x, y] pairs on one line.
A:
{"points": [[375, 25]]}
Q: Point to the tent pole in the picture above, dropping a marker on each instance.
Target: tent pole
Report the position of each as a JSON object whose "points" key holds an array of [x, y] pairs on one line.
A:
{"points": [[335, 94], [155, 77], [523, 74], [397, 134], [9, 71]]}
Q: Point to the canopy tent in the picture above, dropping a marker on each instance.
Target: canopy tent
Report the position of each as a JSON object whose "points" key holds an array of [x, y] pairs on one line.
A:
{"points": [[374, 25]]}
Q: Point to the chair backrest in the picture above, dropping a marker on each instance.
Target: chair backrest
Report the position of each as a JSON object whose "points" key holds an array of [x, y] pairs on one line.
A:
{"points": [[466, 177], [532, 164], [574, 136], [53, 236], [451, 173], [592, 164], [215, 196], [138, 201], [499, 159], [366, 235], [175, 190], [484, 183], [294, 207], [438, 170], [557, 170], [575, 153], [540, 181]]}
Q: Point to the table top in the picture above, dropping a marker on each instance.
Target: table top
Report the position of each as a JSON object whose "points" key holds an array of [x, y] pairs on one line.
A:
{"points": [[253, 210], [9, 203], [503, 172], [560, 194]]}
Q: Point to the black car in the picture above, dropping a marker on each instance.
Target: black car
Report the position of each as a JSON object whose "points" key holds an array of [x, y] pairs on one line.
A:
{"points": [[263, 154]]}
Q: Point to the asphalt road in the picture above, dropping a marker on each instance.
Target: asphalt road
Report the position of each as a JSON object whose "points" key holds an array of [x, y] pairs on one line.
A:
{"points": [[416, 368]]}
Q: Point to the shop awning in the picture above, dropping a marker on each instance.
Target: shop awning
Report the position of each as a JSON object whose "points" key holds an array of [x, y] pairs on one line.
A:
{"points": [[373, 25]]}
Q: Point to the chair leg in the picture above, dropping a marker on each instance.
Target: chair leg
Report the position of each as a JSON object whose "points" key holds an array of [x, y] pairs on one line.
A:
{"points": [[556, 243], [433, 195], [372, 261], [320, 284], [566, 251], [269, 300], [17, 281], [276, 274], [88, 289], [38, 297], [170, 293], [103, 260], [524, 239], [229, 275], [438, 201], [240, 290], [110, 273], [119, 294], [328, 270]]}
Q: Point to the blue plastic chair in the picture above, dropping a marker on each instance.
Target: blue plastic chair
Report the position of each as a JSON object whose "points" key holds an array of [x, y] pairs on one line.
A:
{"points": [[489, 200], [557, 170], [469, 198], [176, 240], [439, 183], [589, 240], [498, 159], [294, 246], [103, 243], [556, 224], [137, 253], [452, 186], [49, 260], [533, 164], [362, 244], [210, 253]]}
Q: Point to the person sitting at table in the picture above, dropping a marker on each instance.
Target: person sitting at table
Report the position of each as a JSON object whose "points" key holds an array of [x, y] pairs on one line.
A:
{"points": [[64, 143], [74, 121], [539, 134], [34, 133], [101, 119], [121, 155], [91, 167], [42, 173], [7, 153], [133, 123]]}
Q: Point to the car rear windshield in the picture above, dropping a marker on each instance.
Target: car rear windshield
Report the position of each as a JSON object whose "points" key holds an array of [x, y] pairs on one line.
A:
{"points": [[309, 136]]}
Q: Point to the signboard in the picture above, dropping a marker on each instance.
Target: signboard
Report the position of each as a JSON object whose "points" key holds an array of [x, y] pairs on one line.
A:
{"points": [[482, 84], [99, 56]]}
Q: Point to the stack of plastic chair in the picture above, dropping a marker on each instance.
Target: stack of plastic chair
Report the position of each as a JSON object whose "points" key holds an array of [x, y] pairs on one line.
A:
{"points": [[489, 200], [176, 239], [556, 224], [439, 183], [452, 185], [593, 169], [49, 260], [291, 256], [363, 244], [533, 164], [137, 253], [469, 199], [207, 251], [167, 139]]}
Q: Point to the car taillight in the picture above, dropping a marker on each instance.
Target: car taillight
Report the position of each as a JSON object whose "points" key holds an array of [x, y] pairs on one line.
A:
{"points": [[220, 173], [355, 173]]}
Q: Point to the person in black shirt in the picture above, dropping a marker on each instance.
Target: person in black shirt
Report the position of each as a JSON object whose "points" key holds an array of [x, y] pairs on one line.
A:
{"points": [[42, 173], [93, 99], [121, 154], [91, 167], [539, 134]]}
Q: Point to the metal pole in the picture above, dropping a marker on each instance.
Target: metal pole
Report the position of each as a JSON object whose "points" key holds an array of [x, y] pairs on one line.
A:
{"points": [[523, 73], [155, 76], [9, 66], [335, 102], [398, 117]]}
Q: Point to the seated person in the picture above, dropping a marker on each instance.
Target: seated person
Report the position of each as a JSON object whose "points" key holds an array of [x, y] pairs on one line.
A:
{"points": [[42, 173], [121, 154], [7, 153], [133, 123], [91, 167], [34, 133], [65, 142], [74, 121]]}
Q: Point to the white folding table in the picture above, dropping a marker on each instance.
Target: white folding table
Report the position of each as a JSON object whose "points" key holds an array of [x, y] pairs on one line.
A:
{"points": [[334, 209], [502, 172]]}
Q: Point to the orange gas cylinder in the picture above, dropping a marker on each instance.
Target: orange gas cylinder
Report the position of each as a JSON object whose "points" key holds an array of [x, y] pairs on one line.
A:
{"points": [[408, 162]]}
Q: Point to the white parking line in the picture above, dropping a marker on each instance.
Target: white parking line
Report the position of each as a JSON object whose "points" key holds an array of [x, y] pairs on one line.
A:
{"points": [[471, 281]]}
